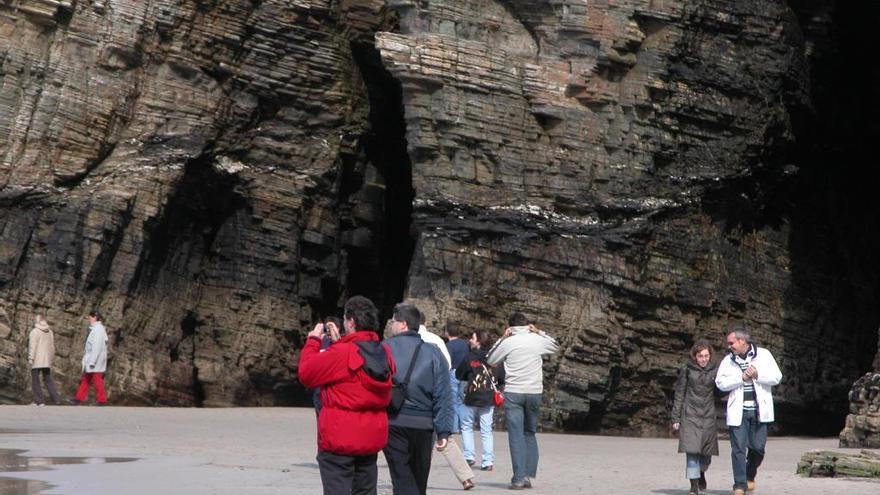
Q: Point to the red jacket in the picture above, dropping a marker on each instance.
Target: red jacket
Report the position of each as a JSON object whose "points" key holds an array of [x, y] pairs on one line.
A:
{"points": [[353, 419]]}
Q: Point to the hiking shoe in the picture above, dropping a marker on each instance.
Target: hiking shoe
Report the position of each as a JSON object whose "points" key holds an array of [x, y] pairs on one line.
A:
{"points": [[467, 484], [518, 485], [751, 484], [527, 482], [487, 467]]}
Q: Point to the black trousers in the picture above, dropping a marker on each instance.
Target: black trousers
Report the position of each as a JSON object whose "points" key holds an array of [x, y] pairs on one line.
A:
{"points": [[346, 474], [408, 453]]}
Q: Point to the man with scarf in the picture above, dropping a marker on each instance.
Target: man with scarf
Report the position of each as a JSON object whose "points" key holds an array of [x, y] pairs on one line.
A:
{"points": [[748, 375]]}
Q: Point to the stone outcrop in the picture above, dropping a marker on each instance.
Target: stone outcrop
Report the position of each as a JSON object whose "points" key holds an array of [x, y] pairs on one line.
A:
{"points": [[826, 464], [215, 175], [862, 427]]}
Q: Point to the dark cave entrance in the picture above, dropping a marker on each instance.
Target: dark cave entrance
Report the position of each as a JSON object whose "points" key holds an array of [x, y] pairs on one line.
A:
{"points": [[376, 234], [835, 217]]}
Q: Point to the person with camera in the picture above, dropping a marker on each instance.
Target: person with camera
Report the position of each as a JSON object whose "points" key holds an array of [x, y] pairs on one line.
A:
{"points": [[332, 330], [522, 349], [693, 414], [481, 382], [355, 377], [426, 409]]}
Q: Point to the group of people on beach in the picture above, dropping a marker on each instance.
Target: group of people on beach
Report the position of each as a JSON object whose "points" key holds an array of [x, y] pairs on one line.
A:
{"points": [[746, 375], [41, 353], [407, 394]]}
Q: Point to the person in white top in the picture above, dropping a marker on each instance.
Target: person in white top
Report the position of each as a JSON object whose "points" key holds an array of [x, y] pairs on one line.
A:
{"points": [[41, 351], [94, 362], [748, 373], [522, 349]]}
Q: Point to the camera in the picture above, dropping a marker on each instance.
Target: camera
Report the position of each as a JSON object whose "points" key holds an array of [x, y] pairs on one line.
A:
{"points": [[326, 329]]}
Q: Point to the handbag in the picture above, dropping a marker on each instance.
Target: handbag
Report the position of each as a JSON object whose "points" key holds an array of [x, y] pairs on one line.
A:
{"points": [[498, 398], [398, 389]]}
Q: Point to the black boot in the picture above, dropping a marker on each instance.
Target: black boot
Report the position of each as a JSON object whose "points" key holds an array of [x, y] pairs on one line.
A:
{"points": [[702, 480], [695, 487]]}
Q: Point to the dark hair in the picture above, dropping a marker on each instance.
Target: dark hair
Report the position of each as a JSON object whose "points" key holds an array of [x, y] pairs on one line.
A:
{"points": [[409, 314], [96, 315], [363, 312], [336, 321], [422, 318], [484, 338], [699, 346], [518, 320], [453, 329]]}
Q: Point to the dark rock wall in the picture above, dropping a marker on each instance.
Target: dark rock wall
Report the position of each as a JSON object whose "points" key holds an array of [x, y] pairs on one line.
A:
{"points": [[631, 174]]}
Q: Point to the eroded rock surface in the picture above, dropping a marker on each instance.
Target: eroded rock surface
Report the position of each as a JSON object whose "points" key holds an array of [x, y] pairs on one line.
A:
{"points": [[214, 175]]}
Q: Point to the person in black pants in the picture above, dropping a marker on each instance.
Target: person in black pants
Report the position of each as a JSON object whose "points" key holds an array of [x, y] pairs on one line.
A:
{"points": [[426, 410]]}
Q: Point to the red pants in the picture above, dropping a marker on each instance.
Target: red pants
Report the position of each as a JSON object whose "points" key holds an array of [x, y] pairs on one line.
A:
{"points": [[82, 393]]}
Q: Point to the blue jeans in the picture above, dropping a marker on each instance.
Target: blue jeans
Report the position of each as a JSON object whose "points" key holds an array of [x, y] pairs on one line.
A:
{"points": [[521, 412], [696, 465], [458, 407], [747, 442], [467, 433]]}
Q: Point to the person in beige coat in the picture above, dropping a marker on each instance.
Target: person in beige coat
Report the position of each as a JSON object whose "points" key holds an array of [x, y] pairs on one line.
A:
{"points": [[41, 350]]}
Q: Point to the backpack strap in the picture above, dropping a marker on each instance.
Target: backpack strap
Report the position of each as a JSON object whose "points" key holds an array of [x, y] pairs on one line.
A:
{"points": [[412, 363]]}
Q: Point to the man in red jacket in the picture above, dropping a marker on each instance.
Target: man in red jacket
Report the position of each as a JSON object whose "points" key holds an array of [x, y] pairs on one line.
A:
{"points": [[354, 374]]}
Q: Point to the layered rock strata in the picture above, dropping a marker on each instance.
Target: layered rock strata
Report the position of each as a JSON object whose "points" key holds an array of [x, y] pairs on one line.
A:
{"points": [[862, 427], [215, 175]]}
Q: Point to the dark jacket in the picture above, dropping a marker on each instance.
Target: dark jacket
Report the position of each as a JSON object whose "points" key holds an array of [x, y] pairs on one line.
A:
{"points": [[694, 409], [428, 404], [471, 366], [353, 420]]}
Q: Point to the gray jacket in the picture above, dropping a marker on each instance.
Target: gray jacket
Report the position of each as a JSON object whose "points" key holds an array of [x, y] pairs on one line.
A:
{"points": [[694, 409], [428, 404]]}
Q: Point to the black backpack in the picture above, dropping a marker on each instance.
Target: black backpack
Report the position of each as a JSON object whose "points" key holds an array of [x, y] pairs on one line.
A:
{"points": [[482, 386]]}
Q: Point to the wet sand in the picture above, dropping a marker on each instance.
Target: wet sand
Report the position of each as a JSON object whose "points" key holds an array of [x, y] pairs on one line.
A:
{"points": [[263, 451]]}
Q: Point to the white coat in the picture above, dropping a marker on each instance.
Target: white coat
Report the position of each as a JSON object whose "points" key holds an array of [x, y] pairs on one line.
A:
{"points": [[729, 379], [95, 357]]}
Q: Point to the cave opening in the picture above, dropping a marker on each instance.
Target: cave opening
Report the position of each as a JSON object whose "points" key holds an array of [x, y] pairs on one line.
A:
{"points": [[377, 235], [835, 219]]}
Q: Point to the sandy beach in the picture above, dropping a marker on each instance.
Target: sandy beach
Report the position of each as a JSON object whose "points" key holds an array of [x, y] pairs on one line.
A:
{"points": [[269, 451]]}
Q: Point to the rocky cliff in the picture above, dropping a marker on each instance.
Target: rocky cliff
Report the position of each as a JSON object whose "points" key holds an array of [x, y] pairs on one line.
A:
{"points": [[632, 174]]}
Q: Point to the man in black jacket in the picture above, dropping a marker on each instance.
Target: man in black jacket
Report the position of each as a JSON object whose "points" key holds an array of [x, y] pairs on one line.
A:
{"points": [[427, 409]]}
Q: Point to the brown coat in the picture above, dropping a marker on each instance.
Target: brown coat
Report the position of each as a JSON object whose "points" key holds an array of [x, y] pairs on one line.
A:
{"points": [[41, 345], [694, 409]]}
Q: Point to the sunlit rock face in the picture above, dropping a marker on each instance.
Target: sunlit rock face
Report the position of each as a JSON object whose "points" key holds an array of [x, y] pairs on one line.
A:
{"points": [[214, 175]]}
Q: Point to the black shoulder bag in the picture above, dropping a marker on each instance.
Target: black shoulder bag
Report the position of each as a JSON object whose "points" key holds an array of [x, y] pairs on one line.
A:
{"points": [[398, 389]]}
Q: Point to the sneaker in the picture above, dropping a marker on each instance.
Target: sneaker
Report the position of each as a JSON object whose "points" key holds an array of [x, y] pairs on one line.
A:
{"points": [[74, 402], [467, 484], [527, 482], [739, 491], [41, 405], [487, 467], [470, 462], [751, 484], [518, 485]]}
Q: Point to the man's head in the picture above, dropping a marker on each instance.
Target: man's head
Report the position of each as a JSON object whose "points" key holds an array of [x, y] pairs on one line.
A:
{"points": [[94, 317], [738, 339], [517, 320], [360, 314], [453, 330], [406, 317]]}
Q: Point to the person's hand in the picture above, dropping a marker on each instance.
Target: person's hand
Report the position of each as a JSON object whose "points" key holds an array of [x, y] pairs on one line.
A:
{"points": [[676, 426], [441, 444], [318, 331], [753, 372], [534, 329], [334, 331], [507, 332]]}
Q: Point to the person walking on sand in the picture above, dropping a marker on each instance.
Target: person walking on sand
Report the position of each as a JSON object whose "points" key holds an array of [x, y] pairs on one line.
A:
{"points": [[94, 362], [41, 351], [693, 414], [521, 350], [481, 382], [748, 374], [354, 375]]}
